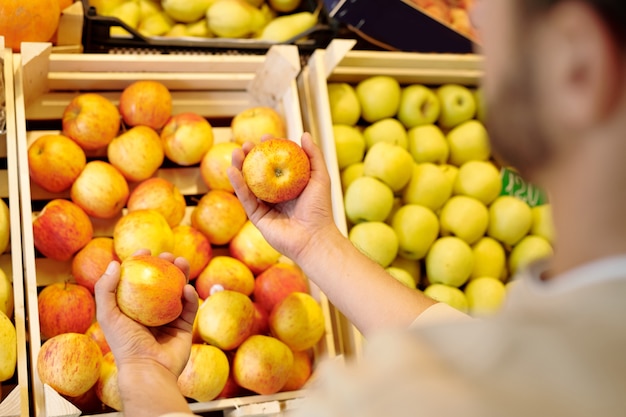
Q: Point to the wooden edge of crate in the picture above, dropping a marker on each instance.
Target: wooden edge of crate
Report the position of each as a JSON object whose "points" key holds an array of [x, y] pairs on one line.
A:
{"points": [[44, 397], [17, 402]]}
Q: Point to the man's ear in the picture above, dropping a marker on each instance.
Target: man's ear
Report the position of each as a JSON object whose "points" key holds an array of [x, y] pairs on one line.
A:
{"points": [[587, 71]]}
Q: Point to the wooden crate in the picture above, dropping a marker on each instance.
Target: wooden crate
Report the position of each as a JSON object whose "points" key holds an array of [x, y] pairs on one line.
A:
{"points": [[338, 63], [14, 393], [217, 87]]}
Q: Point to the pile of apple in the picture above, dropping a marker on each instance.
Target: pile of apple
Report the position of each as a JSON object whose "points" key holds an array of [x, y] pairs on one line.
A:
{"points": [[258, 323], [274, 20], [455, 13], [8, 335], [423, 196]]}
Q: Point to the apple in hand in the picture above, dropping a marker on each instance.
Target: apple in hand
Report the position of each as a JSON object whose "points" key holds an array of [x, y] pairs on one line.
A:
{"points": [[214, 165], [251, 124], [65, 307], [457, 105], [147, 103], [227, 272], [150, 290], [277, 282], [54, 162], [137, 153], [142, 229], [192, 245], [186, 137], [276, 170], [161, 195], [61, 229], [225, 319], [419, 105], [91, 120], [262, 364], [205, 374], [251, 248], [219, 215], [92, 260], [69, 363], [390, 163], [100, 189]]}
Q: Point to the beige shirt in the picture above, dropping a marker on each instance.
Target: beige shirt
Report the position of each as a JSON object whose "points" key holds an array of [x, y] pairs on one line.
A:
{"points": [[557, 349]]}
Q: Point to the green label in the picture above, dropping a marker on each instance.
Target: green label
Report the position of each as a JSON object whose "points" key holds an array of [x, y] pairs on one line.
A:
{"points": [[514, 185]]}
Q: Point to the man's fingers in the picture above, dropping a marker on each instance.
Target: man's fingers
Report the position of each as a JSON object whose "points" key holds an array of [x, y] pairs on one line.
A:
{"points": [[105, 289], [190, 304]]}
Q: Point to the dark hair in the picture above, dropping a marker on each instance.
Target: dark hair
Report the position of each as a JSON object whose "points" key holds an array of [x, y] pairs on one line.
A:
{"points": [[612, 11]]}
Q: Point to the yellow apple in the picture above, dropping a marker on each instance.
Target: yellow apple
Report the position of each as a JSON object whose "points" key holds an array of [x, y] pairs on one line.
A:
{"points": [[417, 227], [485, 296], [368, 199], [448, 294], [349, 174], [227, 272], [402, 276], [54, 162], [528, 250], [510, 219], [251, 124], [219, 215], [478, 179], [390, 163], [142, 229], [449, 261], [214, 165], [225, 319], [427, 143], [107, 389], [186, 10], [161, 195], [100, 189], [489, 258], [457, 105], [5, 228], [379, 96], [6, 295], [386, 130], [69, 363], [543, 223], [298, 321], [412, 266], [419, 105], [276, 170], [344, 104], [464, 217], [137, 153], [468, 141], [377, 240], [205, 374], [186, 138], [428, 186], [284, 6], [150, 290], [349, 145], [8, 354]]}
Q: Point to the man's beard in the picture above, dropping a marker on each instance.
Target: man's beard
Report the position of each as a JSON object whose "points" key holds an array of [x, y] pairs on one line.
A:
{"points": [[514, 122]]}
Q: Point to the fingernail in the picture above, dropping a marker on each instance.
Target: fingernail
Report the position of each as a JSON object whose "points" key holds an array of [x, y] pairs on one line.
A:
{"points": [[110, 268]]}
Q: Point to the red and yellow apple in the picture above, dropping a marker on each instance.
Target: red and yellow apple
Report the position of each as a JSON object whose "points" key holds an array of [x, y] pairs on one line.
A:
{"points": [[276, 170], [61, 229], [89, 263], [91, 120], [69, 363], [226, 271], [100, 189], [137, 153], [219, 215], [251, 124], [142, 229], [65, 307], [300, 371], [262, 364], [107, 389], [95, 332], [147, 103], [186, 138], [150, 290], [277, 282], [261, 320], [298, 321], [161, 195], [205, 374], [251, 248], [54, 162], [214, 165], [225, 319], [194, 246]]}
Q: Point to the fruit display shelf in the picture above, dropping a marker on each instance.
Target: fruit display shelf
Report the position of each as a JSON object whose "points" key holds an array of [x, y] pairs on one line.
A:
{"points": [[14, 393], [339, 63], [216, 87]]}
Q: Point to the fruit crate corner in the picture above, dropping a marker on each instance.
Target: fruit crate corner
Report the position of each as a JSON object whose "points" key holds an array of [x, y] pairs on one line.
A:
{"points": [[337, 63], [14, 397], [216, 87]]}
